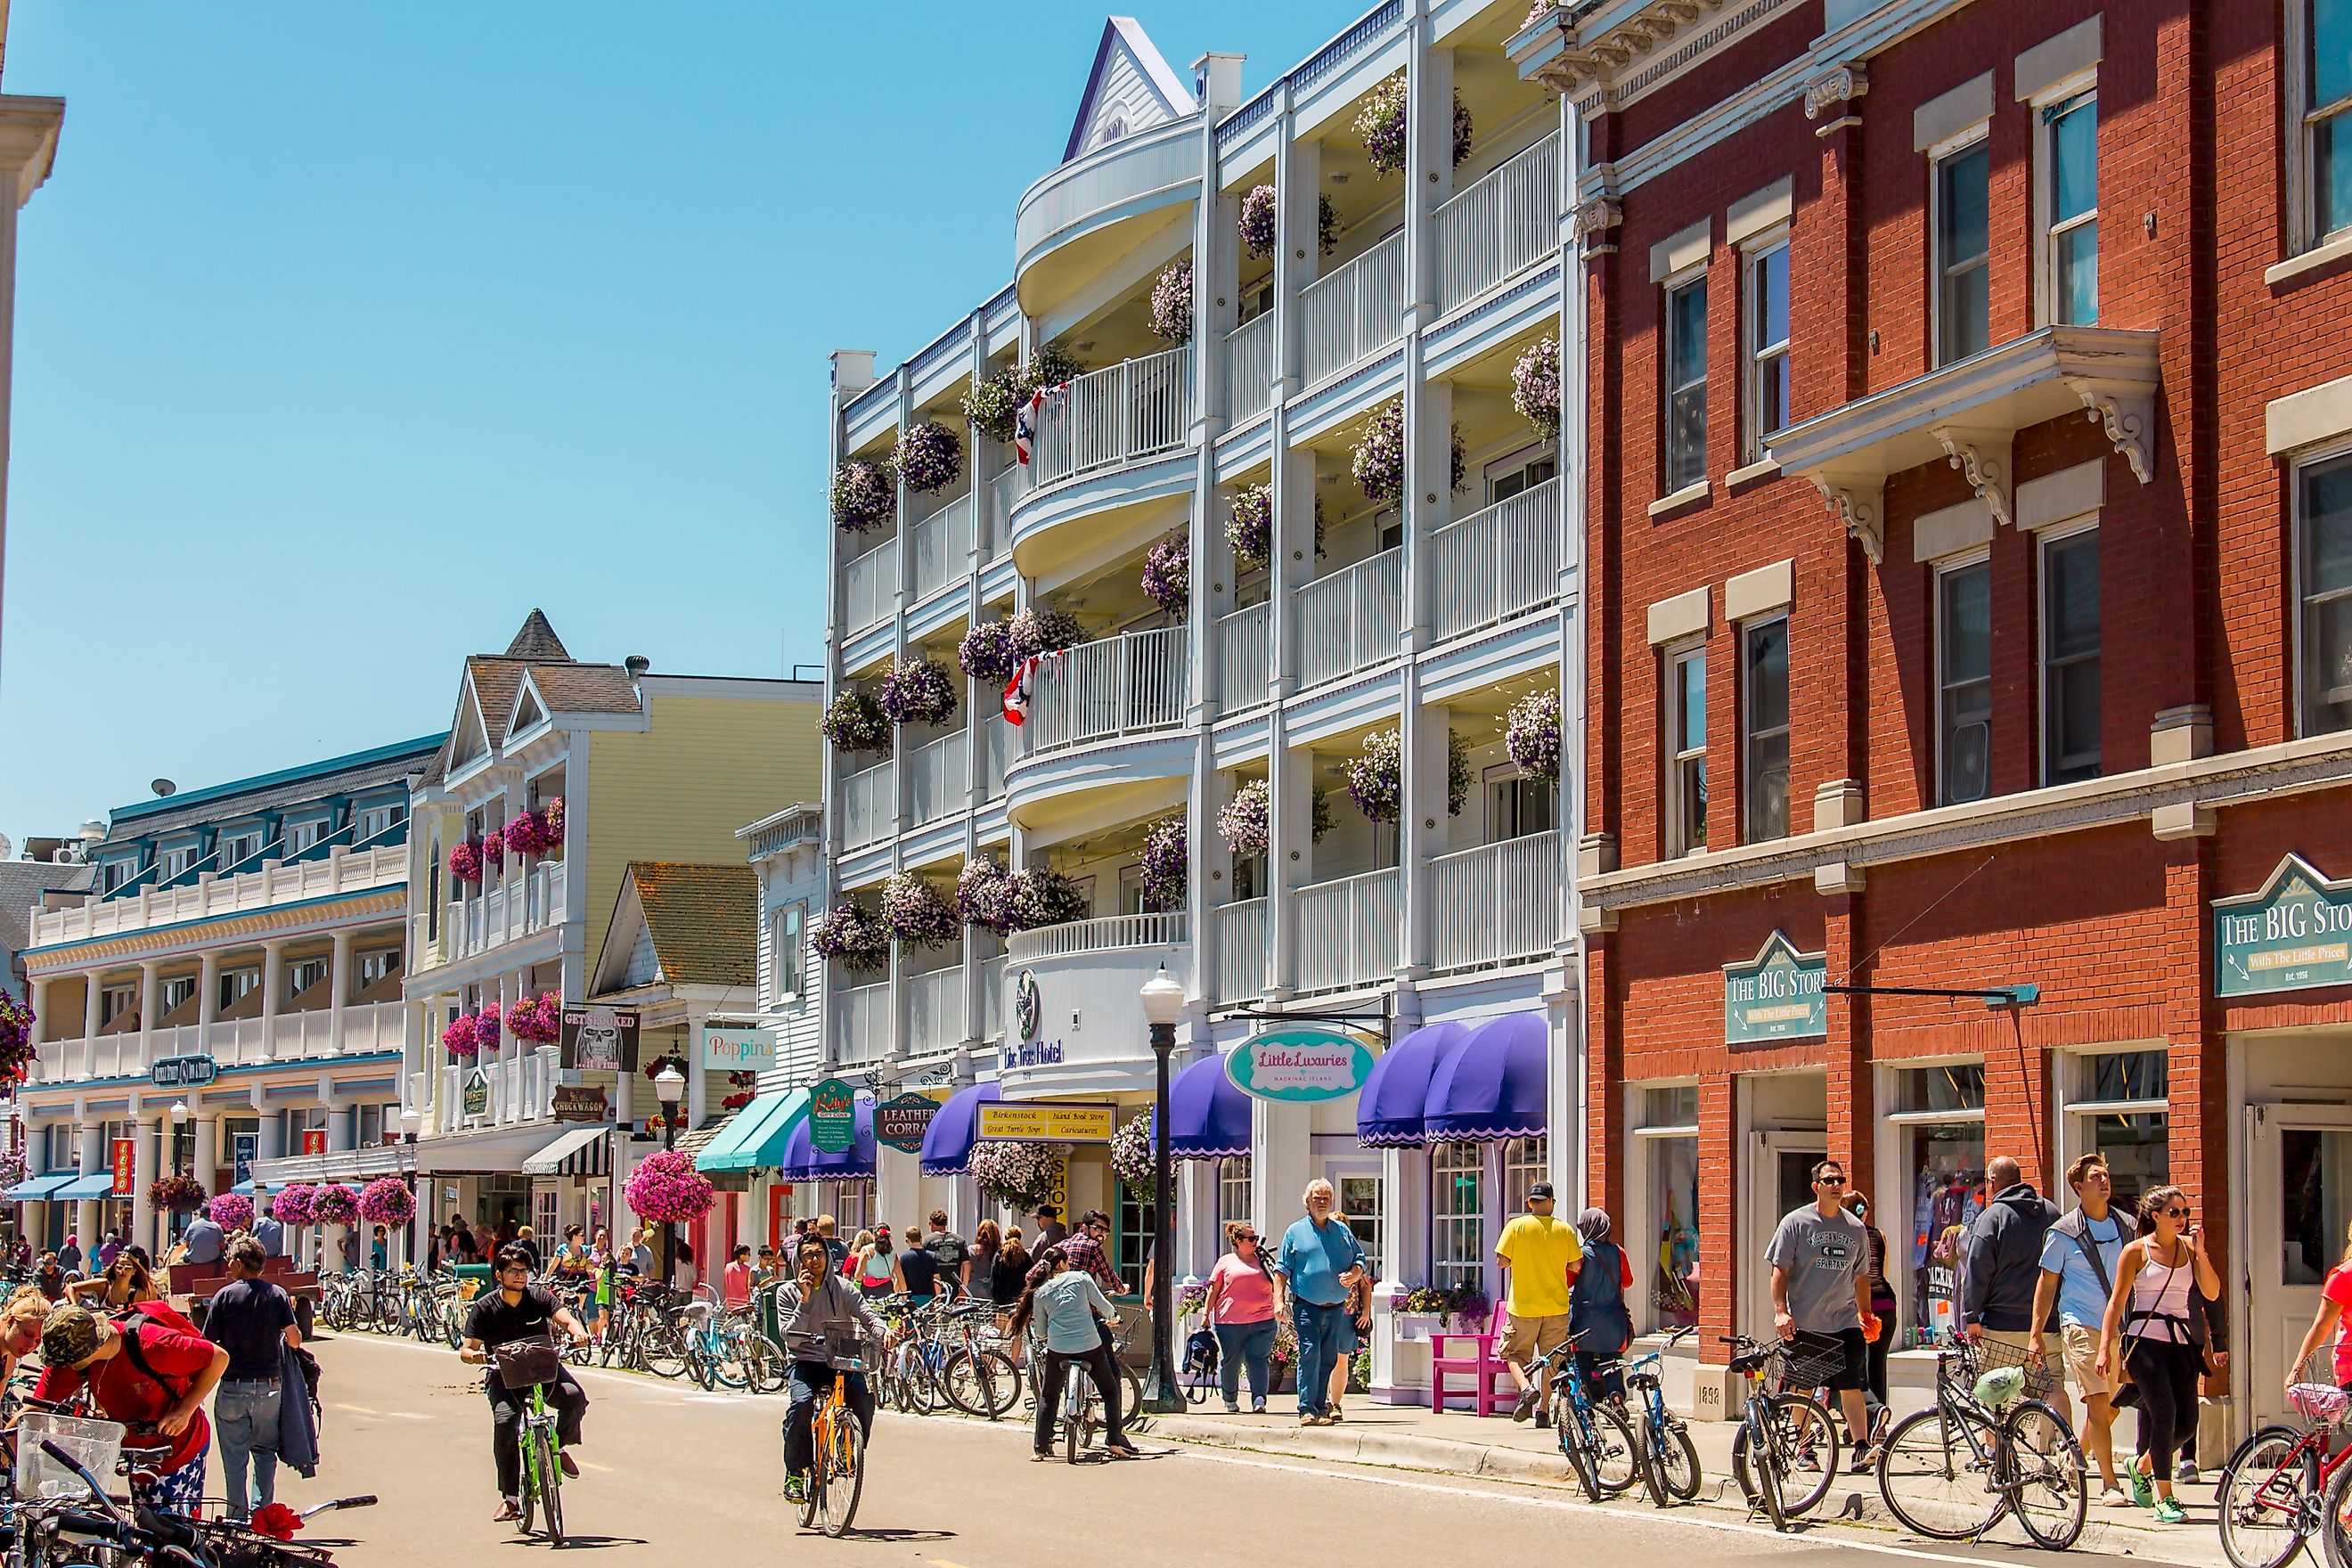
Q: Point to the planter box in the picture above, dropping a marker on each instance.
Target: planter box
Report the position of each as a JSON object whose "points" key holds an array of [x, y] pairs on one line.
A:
{"points": [[1415, 1328]]}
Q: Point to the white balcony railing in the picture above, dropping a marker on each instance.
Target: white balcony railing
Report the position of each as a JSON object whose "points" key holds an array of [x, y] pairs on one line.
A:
{"points": [[1003, 490], [1001, 742], [1124, 174], [1496, 904], [939, 777], [861, 1024], [1351, 932], [311, 1033], [1498, 563], [1244, 663], [1249, 368], [869, 587], [268, 883], [935, 1011], [524, 902], [991, 998], [1356, 311], [1241, 950], [869, 806], [1118, 686], [1096, 936], [1504, 223], [1116, 414], [1349, 620], [942, 546]]}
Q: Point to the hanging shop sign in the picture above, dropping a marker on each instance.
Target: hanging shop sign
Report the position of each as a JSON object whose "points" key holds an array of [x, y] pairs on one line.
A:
{"points": [[1299, 1066], [2292, 933], [901, 1120], [737, 1050], [476, 1099], [244, 1147], [1775, 996], [574, 1103], [314, 1141], [833, 1117], [600, 1038], [1047, 1122], [125, 1153], [184, 1072]]}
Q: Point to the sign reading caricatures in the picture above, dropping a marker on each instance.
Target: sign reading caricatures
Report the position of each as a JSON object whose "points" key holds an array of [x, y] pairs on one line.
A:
{"points": [[600, 1039], [833, 1117], [1299, 1066], [2292, 934], [1775, 996], [901, 1120]]}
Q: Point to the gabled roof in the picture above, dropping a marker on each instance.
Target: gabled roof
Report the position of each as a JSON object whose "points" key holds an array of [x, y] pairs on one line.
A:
{"points": [[704, 921], [585, 688], [1167, 90], [496, 686]]}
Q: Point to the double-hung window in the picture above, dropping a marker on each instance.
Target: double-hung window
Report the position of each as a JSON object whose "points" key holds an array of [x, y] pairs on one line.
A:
{"points": [[1686, 717], [1686, 384], [1764, 730], [2323, 501], [2070, 142], [1963, 252], [1765, 346], [370, 828], [788, 958], [1963, 681], [235, 850], [2322, 103], [2070, 657], [175, 864]]}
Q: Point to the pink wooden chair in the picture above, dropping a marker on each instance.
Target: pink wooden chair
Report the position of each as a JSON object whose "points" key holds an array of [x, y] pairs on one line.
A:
{"points": [[1490, 1382]]}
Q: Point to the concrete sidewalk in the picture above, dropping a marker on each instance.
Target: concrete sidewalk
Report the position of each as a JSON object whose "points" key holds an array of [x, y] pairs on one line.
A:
{"points": [[1455, 1443]]}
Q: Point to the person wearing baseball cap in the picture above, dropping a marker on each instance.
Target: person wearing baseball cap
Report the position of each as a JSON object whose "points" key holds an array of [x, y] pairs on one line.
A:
{"points": [[140, 1371], [1542, 1253]]}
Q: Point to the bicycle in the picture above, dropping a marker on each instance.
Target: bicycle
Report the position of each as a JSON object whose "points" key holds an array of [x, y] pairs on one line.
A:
{"points": [[1600, 1447], [2280, 1485], [532, 1364], [837, 1475], [1668, 1458], [1982, 1452], [1781, 1433]]}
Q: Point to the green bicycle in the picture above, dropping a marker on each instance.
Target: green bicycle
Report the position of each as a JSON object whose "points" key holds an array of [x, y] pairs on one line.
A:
{"points": [[528, 1366]]}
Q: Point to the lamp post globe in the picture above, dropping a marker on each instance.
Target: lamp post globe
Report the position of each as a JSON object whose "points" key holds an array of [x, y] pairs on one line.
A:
{"points": [[670, 1087], [1163, 1004]]}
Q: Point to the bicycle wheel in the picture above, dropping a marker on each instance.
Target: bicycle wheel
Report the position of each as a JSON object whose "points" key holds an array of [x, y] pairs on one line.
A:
{"points": [[550, 1484], [1670, 1462], [1570, 1431], [730, 1359], [980, 1383], [2333, 1525], [1616, 1456], [453, 1325], [768, 1369], [662, 1350], [1937, 1476], [2265, 1499], [2046, 1475], [1077, 1414], [812, 1484], [1805, 1442], [846, 1479], [1756, 1465]]}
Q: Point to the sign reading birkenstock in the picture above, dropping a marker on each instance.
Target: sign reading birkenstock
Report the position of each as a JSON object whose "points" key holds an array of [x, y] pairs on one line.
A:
{"points": [[2292, 934], [1299, 1066], [1045, 1121], [1775, 996]]}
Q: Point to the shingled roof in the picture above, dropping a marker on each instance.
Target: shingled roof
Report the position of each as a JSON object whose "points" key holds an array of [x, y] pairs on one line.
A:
{"points": [[564, 684], [705, 921], [537, 642]]}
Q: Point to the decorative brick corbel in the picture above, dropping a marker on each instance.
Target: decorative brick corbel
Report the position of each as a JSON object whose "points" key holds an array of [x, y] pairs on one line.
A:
{"points": [[1835, 90], [2130, 420], [1860, 502], [1983, 456], [1594, 219]]}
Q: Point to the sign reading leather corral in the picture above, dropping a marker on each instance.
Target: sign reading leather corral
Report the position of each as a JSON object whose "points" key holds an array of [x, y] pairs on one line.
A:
{"points": [[2292, 934], [1299, 1066], [901, 1120]]}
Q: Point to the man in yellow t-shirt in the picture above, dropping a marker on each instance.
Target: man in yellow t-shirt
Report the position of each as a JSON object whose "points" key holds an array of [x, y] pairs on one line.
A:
{"points": [[1543, 1255]]}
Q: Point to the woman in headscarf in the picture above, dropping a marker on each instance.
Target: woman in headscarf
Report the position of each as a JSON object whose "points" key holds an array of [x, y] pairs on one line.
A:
{"points": [[1597, 1313]]}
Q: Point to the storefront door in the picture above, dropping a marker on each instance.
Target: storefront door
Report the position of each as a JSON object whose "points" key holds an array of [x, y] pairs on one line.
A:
{"points": [[1779, 1178], [2300, 1197]]}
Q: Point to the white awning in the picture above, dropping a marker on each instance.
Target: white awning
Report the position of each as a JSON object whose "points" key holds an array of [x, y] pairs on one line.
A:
{"points": [[340, 1165], [575, 1148], [490, 1151]]}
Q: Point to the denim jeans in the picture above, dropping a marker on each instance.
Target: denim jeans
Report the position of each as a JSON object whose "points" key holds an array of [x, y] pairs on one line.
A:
{"points": [[810, 1382], [1240, 1342], [245, 1424], [1325, 1333]]}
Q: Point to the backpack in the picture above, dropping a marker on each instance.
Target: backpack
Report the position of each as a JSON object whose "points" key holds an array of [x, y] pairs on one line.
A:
{"points": [[129, 1326]]}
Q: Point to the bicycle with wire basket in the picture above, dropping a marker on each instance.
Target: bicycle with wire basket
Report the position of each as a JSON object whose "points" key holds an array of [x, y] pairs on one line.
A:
{"points": [[527, 1367], [837, 1475], [1987, 1448], [1785, 1454], [2282, 1484]]}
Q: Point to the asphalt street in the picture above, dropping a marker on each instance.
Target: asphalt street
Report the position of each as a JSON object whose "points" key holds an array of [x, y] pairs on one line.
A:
{"points": [[670, 1472]]}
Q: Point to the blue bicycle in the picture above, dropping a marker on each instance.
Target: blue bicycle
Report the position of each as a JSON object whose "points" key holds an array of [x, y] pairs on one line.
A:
{"points": [[1601, 1448], [1669, 1461]]}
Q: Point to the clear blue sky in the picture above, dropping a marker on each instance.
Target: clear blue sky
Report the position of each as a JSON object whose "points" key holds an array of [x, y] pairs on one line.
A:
{"points": [[347, 333]]}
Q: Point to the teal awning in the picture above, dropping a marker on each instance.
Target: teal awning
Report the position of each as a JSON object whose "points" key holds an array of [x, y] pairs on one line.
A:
{"points": [[755, 1141], [100, 1185], [41, 1186]]}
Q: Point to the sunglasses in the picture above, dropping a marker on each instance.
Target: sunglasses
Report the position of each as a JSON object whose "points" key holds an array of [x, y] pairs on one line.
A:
{"points": [[1246, 1236], [2177, 1213], [1829, 1181]]}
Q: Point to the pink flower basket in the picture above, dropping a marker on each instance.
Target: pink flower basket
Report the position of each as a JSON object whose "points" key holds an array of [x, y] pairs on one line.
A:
{"points": [[296, 1203], [387, 1202], [231, 1211], [666, 1189], [333, 1203]]}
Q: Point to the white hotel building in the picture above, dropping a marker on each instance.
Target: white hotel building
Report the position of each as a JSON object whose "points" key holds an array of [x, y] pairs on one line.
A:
{"points": [[1430, 616]]}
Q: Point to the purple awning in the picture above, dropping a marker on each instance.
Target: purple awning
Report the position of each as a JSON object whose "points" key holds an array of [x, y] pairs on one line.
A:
{"points": [[947, 1142], [1208, 1114], [1490, 1084], [1391, 1106], [805, 1162]]}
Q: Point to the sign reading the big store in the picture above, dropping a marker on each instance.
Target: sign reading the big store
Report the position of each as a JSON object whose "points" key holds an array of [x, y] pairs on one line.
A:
{"points": [[1775, 996], [2292, 934]]}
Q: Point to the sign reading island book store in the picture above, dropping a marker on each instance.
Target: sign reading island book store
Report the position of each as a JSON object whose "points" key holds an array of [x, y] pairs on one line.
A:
{"points": [[1775, 996], [2292, 934]]}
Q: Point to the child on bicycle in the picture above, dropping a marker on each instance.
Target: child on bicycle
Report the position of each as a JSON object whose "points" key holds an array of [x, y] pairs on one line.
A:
{"points": [[812, 1301]]}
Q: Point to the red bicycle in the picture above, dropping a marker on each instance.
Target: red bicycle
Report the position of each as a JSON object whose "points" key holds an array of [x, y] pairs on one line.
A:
{"points": [[2282, 1485]]}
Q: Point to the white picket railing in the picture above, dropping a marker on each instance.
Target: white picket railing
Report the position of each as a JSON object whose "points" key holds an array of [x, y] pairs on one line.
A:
{"points": [[1117, 686], [943, 545], [869, 806], [869, 593], [1507, 222], [1245, 645], [1241, 950], [1116, 414], [261, 884], [293, 1035], [1351, 932], [861, 1024], [1495, 904], [1096, 936], [935, 1010], [524, 901], [1001, 742], [1003, 490], [1355, 311], [1249, 368], [939, 778], [1495, 564], [991, 998], [1349, 620]]}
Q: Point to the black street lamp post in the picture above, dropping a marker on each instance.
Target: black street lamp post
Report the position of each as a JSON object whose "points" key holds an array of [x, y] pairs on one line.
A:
{"points": [[669, 1084], [1163, 1004]]}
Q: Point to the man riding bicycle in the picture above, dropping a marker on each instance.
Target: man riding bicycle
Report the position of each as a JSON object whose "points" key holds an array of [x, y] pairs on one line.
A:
{"points": [[518, 1309], [813, 1301]]}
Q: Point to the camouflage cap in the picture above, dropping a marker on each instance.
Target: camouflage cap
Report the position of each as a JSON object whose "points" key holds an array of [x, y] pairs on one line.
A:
{"points": [[70, 1337]]}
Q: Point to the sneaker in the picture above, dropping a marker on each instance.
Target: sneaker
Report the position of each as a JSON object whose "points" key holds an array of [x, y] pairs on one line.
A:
{"points": [[1526, 1405], [796, 1488], [1233, 1407], [2170, 1511], [508, 1509], [2115, 1497], [1309, 1418], [2143, 1489], [1335, 1415], [567, 1464], [2185, 1472], [1257, 1407], [1543, 1417], [1808, 1459], [1863, 1460]]}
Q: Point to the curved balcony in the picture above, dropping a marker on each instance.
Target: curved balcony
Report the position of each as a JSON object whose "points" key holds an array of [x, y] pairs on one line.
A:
{"points": [[1076, 219], [1106, 738], [1111, 440], [1074, 1020]]}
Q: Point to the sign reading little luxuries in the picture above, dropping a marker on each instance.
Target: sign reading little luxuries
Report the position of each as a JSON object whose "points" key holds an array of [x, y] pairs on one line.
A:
{"points": [[901, 1120], [833, 1117], [1775, 996], [2291, 934], [1299, 1066], [1047, 1122]]}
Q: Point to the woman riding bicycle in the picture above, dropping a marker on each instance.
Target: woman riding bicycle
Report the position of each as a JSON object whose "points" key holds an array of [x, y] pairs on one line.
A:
{"points": [[1074, 1313], [518, 1309], [812, 1301]]}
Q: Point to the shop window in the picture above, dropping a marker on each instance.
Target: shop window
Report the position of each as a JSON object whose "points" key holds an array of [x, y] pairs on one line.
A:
{"points": [[2070, 657], [1525, 1162], [1939, 1123], [2321, 103], [1764, 728], [1360, 1205], [1685, 802], [1131, 1236], [1963, 254], [1963, 681], [2314, 1201], [1232, 1192], [2070, 143], [2323, 493], [1457, 1174], [1673, 1192], [1952, 1086], [1685, 382], [1765, 345], [2131, 1076], [2122, 1111]]}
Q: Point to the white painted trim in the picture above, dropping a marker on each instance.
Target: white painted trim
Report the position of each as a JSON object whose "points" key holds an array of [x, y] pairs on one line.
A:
{"points": [[1949, 116], [2052, 68], [2310, 260], [1765, 591], [1687, 249], [2304, 418], [2062, 496], [1758, 211], [1683, 616]]}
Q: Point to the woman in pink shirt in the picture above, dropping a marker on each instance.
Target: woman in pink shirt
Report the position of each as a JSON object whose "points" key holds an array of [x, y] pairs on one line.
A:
{"points": [[738, 1278], [1240, 1309]]}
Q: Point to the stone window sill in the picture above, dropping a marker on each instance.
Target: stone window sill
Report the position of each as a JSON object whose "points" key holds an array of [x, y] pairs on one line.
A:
{"points": [[1682, 498]]}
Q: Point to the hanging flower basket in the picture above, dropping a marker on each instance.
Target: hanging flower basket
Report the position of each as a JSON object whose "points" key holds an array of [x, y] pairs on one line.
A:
{"points": [[983, 895], [296, 1203], [1458, 774], [1168, 573], [1250, 528], [1172, 303], [990, 405], [742, 1079], [917, 913], [539, 1019], [457, 1037], [1535, 388], [180, 1194], [387, 1202], [1044, 897], [527, 834], [494, 849], [865, 496], [666, 1189], [1019, 1176], [855, 722], [466, 862], [334, 1203], [16, 1034], [234, 1211], [1245, 823], [1258, 219], [986, 652], [667, 1060], [1167, 864], [851, 937], [1375, 775], [919, 691], [553, 812], [13, 1166], [487, 1025], [1531, 733], [1038, 630], [1131, 1159], [1381, 126], [930, 457], [1378, 459]]}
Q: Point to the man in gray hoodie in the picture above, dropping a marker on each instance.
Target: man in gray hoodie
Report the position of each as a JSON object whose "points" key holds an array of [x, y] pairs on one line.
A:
{"points": [[2001, 1258]]}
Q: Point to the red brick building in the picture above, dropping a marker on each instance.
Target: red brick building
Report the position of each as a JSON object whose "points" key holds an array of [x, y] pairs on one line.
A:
{"points": [[1968, 524]]}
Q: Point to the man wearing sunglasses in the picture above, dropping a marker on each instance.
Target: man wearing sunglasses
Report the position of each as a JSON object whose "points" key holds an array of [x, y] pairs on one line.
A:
{"points": [[1821, 1287]]}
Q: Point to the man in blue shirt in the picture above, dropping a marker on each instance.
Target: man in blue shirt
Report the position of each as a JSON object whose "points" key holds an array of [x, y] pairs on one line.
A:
{"points": [[203, 1240], [1317, 1264], [266, 1228], [2079, 1255]]}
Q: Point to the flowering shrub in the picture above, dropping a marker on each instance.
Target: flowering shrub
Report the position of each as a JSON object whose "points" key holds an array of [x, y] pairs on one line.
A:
{"points": [[1381, 125], [983, 895], [854, 721], [865, 495], [1535, 387], [386, 1200], [655, 1122], [736, 1100], [1167, 864], [1375, 775], [929, 457], [1244, 823], [917, 913], [296, 1203], [1172, 303], [527, 834], [1458, 774], [178, 1194], [986, 652], [1168, 573], [1446, 1301], [334, 1203], [1131, 1158], [852, 936], [1258, 219], [918, 691], [1045, 896], [1378, 460], [494, 849], [466, 862], [16, 1034], [233, 1211], [1250, 528], [1531, 733], [487, 1026], [457, 1038], [1043, 631], [1018, 1175], [539, 1019], [666, 1189]]}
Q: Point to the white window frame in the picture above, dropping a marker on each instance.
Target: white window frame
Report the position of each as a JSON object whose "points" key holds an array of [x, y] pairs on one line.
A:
{"points": [[1968, 141], [1754, 353], [376, 965], [788, 953], [2043, 546], [114, 1001], [235, 985], [172, 991], [1945, 570], [1498, 784], [2303, 120], [1669, 288], [1520, 465], [2299, 556], [1678, 751], [1235, 1191], [113, 874], [306, 834], [369, 824], [2044, 105], [1443, 1166], [231, 849], [1750, 734], [173, 864]]}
